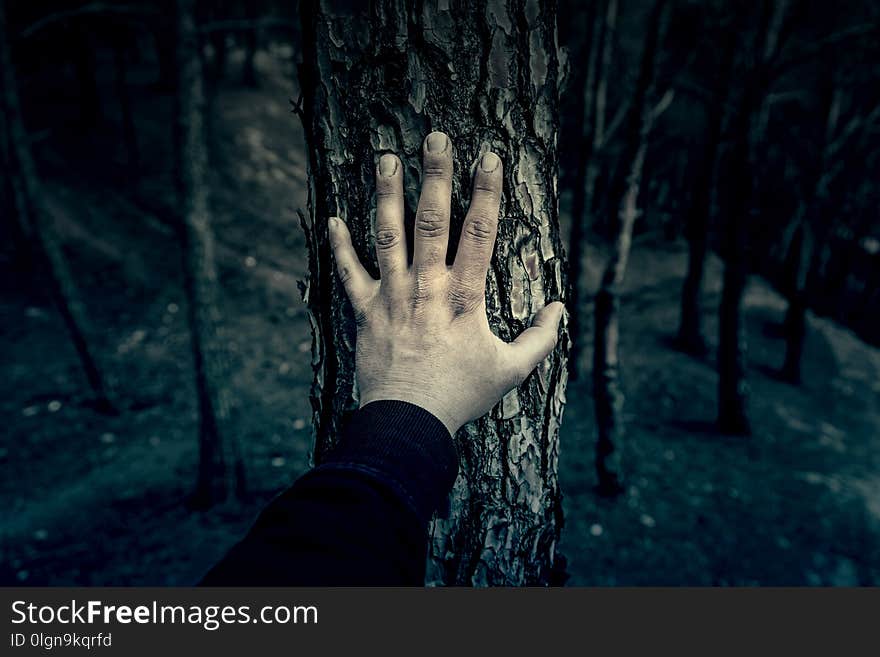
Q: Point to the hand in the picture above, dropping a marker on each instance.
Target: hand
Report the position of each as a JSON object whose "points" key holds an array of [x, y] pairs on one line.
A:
{"points": [[422, 332]]}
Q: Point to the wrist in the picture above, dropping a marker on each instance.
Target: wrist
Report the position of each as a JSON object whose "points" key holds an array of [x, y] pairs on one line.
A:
{"points": [[426, 402], [407, 447]]}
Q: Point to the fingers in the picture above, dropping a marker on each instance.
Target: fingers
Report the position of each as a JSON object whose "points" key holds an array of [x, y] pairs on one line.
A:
{"points": [[355, 279], [479, 229], [431, 232], [536, 342], [390, 232]]}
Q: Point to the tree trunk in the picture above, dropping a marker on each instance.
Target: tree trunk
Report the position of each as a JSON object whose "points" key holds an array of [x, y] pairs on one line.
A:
{"points": [[747, 129], [795, 329], [129, 133], [85, 67], [250, 37], [811, 220], [486, 75], [607, 392], [690, 331], [221, 470], [732, 386], [604, 19], [35, 223]]}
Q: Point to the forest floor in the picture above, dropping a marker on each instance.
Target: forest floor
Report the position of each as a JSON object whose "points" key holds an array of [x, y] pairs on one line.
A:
{"points": [[92, 499]]}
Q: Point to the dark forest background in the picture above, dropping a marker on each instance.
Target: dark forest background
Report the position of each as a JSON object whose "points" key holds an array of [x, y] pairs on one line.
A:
{"points": [[743, 410]]}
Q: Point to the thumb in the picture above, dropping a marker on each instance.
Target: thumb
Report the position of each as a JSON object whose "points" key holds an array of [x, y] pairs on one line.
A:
{"points": [[536, 342]]}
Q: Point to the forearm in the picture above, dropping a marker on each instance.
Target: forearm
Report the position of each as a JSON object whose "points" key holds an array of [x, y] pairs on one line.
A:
{"points": [[360, 517]]}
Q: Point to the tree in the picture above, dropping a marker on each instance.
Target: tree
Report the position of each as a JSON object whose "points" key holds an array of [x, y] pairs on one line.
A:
{"points": [[746, 130], [221, 470], [690, 332], [815, 222], [379, 81], [607, 392], [35, 224], [593, 139]]}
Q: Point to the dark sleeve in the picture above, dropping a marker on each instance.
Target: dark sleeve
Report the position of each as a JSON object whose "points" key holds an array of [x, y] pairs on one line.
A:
{"points": [[361, 517]]}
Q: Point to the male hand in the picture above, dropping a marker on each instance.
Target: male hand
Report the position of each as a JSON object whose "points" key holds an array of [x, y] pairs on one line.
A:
{"points": [[422, 332]]}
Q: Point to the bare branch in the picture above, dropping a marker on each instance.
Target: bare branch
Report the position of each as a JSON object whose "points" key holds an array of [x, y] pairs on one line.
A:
{"points": [[820, 46], [663, 104]]}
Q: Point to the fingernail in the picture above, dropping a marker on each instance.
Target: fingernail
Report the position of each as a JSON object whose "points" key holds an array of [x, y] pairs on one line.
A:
{"points": [[333, 224], [437, 142], [489, 162], [387, 165]]}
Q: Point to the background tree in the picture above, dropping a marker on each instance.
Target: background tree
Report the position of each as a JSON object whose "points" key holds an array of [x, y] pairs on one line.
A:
{"points": [[602, 21], [35, 224], [487, 76], [221, 470], [746, 131], [607, 391], [698, 214]]}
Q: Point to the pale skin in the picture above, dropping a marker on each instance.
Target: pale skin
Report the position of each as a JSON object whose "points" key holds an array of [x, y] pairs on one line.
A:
{"points": [[423, 336]]}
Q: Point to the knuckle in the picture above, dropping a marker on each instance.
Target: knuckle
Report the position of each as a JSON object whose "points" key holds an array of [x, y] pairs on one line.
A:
{"points": [[360, 316], [387, 238], [388, 188], [422, 289], [384, 192], [344, 273], [480, 227], [464, 300], [431, 222], [436, 167], [486, 185]]}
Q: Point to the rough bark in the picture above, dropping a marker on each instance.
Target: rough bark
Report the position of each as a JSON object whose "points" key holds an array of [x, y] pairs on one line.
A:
{"points": [[604, 18], [221, 470], [746, 132], [486, 74], [35, 223], [607, 392]]}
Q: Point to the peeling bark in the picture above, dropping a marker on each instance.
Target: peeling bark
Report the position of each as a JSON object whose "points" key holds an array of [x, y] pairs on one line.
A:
{"points": [[378, 80], [221, 470], [607, 392], [35, 223]]}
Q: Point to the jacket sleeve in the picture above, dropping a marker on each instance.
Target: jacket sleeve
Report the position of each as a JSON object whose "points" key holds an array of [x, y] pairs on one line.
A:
{"points": [[359, 518]]}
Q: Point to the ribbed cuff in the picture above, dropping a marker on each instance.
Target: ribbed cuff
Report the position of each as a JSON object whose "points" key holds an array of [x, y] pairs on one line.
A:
{"points": [[406, 447]]}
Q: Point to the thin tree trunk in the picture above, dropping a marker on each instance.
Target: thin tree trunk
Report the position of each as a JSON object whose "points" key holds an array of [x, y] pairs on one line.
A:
{"points": [[250, 36], [607, 391], [84, 65], [221, 471], [129, 133], [795, 329], [747, 127], [487, 75], [592, 135], [690, 331], [811, 221], [35, 223]]}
